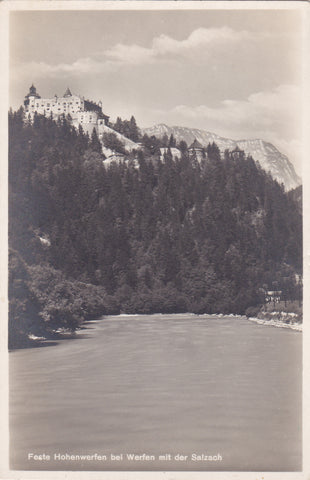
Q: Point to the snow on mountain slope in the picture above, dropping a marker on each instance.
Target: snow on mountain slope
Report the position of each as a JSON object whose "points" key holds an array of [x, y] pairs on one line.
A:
{"points": [[265, 153]]}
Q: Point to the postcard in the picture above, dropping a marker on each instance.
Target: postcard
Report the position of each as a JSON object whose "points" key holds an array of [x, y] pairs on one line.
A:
{"points": [[157, 157]]}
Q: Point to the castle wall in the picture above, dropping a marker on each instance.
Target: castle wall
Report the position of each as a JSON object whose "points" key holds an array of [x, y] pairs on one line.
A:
{"points": [[55, 105], [87, 117], [87, 127]]}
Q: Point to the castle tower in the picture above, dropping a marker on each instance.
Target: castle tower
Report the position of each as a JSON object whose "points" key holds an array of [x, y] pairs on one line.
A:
{"points": [[33, 92], [31, 95], [237, 153], [196, 150]]}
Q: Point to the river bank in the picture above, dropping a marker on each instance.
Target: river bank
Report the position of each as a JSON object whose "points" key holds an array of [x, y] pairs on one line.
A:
{"points": [[280, 314], [274, 319], [276, 322]]}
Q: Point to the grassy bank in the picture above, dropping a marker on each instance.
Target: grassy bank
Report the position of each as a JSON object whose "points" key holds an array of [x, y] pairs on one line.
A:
{"points": [[289, 312]]}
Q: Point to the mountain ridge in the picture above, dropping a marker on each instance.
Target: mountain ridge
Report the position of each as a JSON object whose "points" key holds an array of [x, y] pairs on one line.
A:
{"points": [[267, 155]]}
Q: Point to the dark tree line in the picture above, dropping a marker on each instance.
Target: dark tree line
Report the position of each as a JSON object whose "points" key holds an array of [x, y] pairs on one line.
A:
{"points": [[128, 128], [169, 236]]}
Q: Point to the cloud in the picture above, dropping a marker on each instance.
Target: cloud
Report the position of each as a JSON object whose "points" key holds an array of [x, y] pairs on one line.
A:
{"points": [[129, 54], [164, 47], [43, 69], [261, 110], [271, 115], [199, 43], [197, 39]]}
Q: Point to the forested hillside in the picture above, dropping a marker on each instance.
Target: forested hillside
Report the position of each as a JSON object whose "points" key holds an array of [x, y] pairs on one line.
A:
{"points": [[139, 237], [268, 156]]}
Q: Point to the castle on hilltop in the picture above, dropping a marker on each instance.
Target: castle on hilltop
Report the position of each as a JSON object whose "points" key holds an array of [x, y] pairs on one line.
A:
{"points": [[83, 112]]}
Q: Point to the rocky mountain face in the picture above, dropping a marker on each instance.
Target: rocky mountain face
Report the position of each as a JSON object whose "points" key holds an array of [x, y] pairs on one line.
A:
{"points": [[268, 156]]}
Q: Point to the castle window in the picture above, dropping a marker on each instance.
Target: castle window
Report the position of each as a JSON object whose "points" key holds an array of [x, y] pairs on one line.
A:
{"points": [[37, 104]]}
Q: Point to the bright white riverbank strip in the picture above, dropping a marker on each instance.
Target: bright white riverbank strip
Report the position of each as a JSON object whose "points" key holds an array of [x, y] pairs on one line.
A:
{"points": [[277, 323]]}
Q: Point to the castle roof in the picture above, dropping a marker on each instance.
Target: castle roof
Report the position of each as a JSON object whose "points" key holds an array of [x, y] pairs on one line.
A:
{"points": [[33, 92], [68, 93], [196, 144]]}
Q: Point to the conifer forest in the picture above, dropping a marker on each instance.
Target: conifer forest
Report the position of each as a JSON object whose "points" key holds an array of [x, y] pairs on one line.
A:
{"points": [[145, 235]]}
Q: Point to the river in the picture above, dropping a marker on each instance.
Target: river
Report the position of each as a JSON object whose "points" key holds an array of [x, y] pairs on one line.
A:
{"points": [[206, 392]]}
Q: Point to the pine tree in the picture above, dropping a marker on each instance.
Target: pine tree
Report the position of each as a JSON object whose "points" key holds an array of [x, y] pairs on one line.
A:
{"points": [[95, 144], [118, 125], [134, 131], [172, 141]]}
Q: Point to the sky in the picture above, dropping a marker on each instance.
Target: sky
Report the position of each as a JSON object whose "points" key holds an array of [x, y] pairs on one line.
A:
{"points": [[236, 73]]}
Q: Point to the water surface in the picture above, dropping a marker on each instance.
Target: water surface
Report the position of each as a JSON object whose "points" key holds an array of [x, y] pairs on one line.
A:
{"points": [[160, 385]]}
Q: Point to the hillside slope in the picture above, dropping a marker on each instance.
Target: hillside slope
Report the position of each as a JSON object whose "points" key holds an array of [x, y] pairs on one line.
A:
{"points": [[101, 130], [268, 156], [91, 239]]}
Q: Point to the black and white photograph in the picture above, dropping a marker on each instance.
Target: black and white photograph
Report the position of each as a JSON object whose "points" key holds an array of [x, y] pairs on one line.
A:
{"points": [[155, 237]]}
